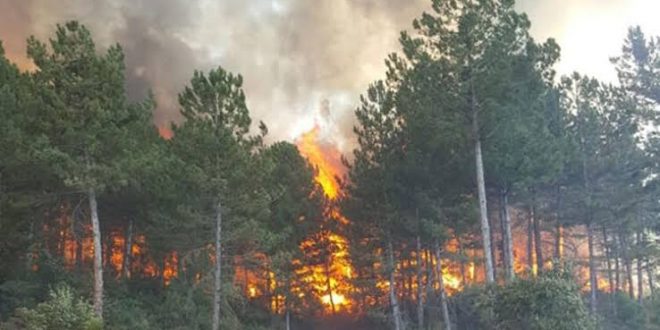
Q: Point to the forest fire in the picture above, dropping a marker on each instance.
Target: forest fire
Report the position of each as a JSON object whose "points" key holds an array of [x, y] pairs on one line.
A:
{"points": [[326, 272], [330, 278], [74, 244]]}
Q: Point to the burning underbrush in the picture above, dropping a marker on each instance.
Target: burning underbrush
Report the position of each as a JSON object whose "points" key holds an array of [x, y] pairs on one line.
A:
{"points": [[327, 280]]}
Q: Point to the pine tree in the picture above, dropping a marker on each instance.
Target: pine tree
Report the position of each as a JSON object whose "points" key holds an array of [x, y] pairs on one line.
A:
{"points": [[89, 121], [478, 41], [223, 174]]}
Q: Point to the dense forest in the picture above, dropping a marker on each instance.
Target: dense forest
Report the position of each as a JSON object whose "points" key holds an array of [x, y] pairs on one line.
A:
{"points": [[484, 191]]}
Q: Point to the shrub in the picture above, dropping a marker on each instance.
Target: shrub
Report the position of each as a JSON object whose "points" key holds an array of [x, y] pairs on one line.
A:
{"points": [[652, 308], [470, 309], [62, 311], [126, 313], [549, 302]]}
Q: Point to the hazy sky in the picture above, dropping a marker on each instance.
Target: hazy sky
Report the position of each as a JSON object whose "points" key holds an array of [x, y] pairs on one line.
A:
{"points": [[298, 56]]}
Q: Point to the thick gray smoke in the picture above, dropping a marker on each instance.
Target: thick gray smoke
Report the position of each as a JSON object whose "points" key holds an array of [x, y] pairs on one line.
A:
{"points": [[297, 56]]}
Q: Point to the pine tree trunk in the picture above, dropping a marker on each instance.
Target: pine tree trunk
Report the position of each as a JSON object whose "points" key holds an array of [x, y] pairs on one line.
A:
{"points": [[530, 245], [420, 286], [494, 248], [640, 273], [328, 284], [608, 259], [287, 304], [98, 254], [129, 246], [288, 319], [559, 241], [650, 272], [217, 284], [443, 293], [617, 263], [481, 190], [107, 250], [506, 237], [538, 244], [560, 230], [593, 280], [430, 274], [593, 277], [396, 313], [463, 256], [610, 276], [628, 265], [79, 250]]}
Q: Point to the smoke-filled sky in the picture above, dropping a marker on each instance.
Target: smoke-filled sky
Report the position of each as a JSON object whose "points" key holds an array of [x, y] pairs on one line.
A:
{"points": [[302, 60]]}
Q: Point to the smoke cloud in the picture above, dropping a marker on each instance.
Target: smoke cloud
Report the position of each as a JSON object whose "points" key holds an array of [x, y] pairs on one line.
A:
{"points": [[303, 61]]}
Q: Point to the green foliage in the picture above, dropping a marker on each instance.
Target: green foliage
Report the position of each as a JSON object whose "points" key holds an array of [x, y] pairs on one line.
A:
{"points": [[183, 307], [86, 116], [62, 311], [127, 312], [547, 302], [629, 313], [652, 306], [469, 308], [17, 293]]}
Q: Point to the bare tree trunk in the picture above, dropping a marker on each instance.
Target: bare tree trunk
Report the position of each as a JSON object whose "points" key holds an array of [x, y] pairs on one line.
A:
{"points": [[617, 264], [129, 247], [463, 255], [98, 254], [628, 265], [593, 277], [396, 313], [443, 293], [79, 250], [538, 244], [559, 242], [593, 280], [495, 248], [430, 274], [420, 286], [217, 287], [530, 244], [481, 190], [559, 239], [608, 259], [328, 284], [288, 319], [650, 272], [506, 236], [640, 273], [610, 276]]}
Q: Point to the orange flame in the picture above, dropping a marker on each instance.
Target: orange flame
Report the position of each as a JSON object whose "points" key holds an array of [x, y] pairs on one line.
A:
{"points": [[331, 280], [326, 158], [165, 132]]}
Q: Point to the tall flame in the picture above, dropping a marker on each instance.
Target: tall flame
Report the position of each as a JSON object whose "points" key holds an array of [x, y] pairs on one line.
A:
{"points": [[325, 158], [330, 280]]}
